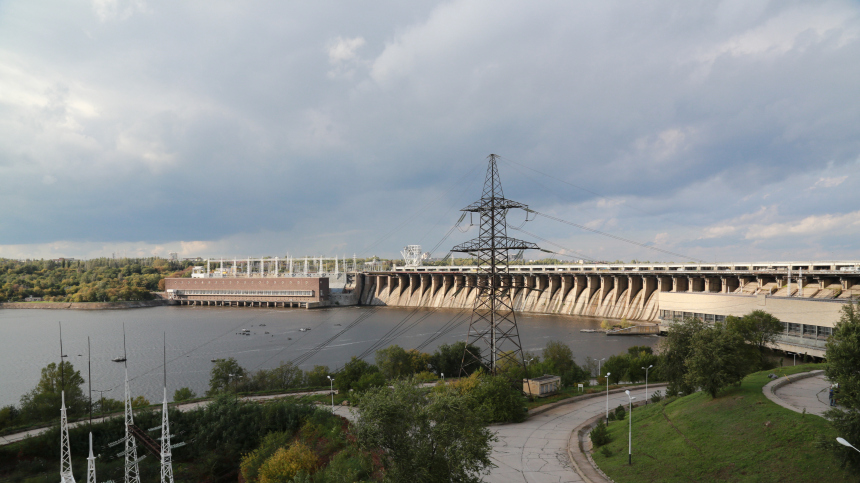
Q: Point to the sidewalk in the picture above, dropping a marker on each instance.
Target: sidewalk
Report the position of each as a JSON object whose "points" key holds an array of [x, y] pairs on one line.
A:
{"points": [[807, 391]]}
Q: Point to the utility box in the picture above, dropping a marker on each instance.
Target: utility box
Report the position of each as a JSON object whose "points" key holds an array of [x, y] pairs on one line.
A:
{"points": [[545, 385]]}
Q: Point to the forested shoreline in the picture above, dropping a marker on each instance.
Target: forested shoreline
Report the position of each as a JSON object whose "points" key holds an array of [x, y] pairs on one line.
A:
{"points": [[95, 280]]}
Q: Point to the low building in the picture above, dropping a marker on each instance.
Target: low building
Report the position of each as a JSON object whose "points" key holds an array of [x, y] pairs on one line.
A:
{"points": [[545, 385], [30, 298], [307, 292]]}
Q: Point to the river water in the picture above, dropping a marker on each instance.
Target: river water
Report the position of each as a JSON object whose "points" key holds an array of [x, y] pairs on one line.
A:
{"points": [[29, 340]]}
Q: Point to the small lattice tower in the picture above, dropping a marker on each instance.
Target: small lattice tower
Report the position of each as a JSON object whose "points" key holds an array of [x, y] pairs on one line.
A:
{"points": [[493, 326], [132, 474], [166, 458], [66, 475], [91, 463]]}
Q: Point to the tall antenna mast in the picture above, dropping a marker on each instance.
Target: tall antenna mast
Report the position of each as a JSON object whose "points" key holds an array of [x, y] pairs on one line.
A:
{"points": [[90, 379], [166, 457], [132, 474], [493, 326], [62, 371]]}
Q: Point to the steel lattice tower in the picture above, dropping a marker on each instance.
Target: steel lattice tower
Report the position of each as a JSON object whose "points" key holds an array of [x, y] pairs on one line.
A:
{"points": [[132, 474], [66, 475], [91, 463], [166, 458], [493, 326]]}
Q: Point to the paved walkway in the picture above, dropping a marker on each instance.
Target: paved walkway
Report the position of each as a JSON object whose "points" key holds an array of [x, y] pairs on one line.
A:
{"points": [[806, 391], [535, 451]]}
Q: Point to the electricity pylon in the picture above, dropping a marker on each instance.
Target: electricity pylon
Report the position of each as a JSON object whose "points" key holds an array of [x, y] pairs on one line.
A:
{"points": [[493, 326], [66, 475], [132, 474], [166, 464]]}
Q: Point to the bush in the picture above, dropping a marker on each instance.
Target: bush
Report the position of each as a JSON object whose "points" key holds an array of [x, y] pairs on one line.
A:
{"points": [[656, 397], [183, 394], [600, 434], [251, 462], [620, 413], [606, 451], [369, 380], [282, 466]]}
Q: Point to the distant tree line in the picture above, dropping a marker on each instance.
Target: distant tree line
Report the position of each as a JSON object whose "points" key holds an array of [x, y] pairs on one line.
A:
{"points": [[95, 280]]}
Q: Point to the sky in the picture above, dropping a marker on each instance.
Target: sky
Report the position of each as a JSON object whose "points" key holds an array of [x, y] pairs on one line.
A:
{"points": [[713, 130]]}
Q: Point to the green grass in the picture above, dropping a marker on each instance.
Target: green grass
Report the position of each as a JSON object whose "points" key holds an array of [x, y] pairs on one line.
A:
{"points": [[739, 436]]}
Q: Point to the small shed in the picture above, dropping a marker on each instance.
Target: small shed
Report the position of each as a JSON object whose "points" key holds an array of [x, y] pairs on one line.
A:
{"points": [[31, 298], [545, 385]]}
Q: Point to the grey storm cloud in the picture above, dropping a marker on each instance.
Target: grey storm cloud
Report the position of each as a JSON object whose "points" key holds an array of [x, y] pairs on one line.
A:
{"points": [[240, 128]]}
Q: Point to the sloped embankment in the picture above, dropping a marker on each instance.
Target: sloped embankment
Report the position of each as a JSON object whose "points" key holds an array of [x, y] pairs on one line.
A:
{"points": [[740, 436]]}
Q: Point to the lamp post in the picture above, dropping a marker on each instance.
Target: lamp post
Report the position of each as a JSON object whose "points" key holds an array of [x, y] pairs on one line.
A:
{"points": [[646, 382], [794, 355], [443, 377], [607, 395], [630, 436], [598, 366], [331, 384], [846, 443]]}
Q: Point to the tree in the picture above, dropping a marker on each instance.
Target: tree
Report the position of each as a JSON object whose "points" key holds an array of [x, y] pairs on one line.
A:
{"points": [[394, 362], [351, 373], [43, 402], [716, 359], [559, 355], [316, 377], [183, 394], [447, 359], [757, 328], [224, 376], [843, 361], [424, 436], [676, 348]]}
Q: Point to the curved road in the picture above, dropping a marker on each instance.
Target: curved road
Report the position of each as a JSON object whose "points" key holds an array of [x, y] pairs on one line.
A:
{"points": [[536, 450]]}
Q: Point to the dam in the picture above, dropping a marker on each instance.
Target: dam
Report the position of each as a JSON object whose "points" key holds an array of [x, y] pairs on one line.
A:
{"points": [[807, 296]]}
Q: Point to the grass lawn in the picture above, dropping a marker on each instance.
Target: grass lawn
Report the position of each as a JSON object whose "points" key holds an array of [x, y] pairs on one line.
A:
{"points": [[739, 436]]}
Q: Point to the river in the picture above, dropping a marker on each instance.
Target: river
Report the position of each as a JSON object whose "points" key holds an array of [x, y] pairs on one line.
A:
{"points": [[29, 340]]}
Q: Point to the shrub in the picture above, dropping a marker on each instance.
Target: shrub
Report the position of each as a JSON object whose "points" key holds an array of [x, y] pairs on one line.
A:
{"points": [[620, 412], [183, 394], [656, 397], [605, 451], [282, 466], [251, 462], [600, 434]]}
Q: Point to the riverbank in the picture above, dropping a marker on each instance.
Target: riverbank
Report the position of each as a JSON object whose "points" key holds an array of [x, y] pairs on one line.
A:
{"points": [[130, 304]]}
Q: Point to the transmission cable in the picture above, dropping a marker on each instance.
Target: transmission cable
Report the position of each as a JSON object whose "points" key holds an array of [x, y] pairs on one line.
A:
{"points": [[615, 237], [580, 255]]}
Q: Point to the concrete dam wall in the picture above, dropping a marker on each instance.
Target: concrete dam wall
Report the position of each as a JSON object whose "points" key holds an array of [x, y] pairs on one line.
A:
{"points": [[610, 296]]}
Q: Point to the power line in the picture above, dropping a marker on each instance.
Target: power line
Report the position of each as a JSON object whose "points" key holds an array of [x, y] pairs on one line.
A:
{"points": [[615, 237]]}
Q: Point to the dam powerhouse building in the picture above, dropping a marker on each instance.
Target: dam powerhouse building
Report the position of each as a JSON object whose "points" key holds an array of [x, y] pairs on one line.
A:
{"points": [[807, 296]]}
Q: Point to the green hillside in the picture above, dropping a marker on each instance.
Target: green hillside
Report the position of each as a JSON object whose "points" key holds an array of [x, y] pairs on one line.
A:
{"points": [[740, 436]]}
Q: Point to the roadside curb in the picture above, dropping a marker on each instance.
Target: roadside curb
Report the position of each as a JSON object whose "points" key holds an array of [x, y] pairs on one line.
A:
{"points": [[571, 400], [770, 388], [582, 458]]}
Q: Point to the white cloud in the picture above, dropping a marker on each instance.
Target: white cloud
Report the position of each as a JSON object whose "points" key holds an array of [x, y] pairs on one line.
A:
{"points": [[811, 225], [828, 182], [343, 56], [118, 9]]}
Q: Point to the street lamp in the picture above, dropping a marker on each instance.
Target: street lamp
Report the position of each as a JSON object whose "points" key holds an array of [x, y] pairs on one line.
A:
{"points": [[846, 443], [443, 377], [607, 395], [630, 437], [598, 366], [646, 382], [331, 384], [794, 354]]}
